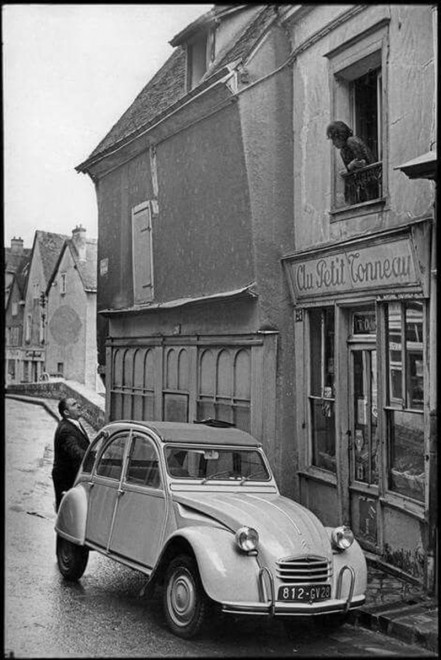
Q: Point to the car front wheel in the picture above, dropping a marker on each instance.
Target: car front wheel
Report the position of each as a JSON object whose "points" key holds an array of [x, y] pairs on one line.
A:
{"points": [[185, 602], [72, 559]]}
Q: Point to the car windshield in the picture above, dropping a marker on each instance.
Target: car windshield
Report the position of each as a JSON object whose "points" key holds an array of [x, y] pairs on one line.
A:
{"points": [[214, 463]]}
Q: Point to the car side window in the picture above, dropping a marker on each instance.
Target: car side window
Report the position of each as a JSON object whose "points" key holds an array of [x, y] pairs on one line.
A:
{"points": [[111, 460], [143, 464], [93, 451]]}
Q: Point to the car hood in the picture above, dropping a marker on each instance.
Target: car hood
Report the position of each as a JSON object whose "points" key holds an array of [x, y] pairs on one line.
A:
{"points": [[285, 527]]}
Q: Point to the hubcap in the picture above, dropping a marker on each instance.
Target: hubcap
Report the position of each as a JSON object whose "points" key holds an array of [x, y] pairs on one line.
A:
{"points": [[181, 598]]}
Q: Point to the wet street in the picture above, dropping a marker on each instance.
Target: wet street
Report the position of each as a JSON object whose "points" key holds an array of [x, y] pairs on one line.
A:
{"points": [[103, 614]]}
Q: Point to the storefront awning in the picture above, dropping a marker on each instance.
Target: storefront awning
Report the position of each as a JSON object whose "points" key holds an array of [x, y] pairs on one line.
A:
{"points": [[248, 291], [421, 167]]}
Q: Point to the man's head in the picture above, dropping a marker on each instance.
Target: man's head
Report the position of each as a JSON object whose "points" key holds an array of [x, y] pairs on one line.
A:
{"points": [[69, 408]]}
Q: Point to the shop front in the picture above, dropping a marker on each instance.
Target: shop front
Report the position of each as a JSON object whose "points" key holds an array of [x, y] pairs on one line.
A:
{"points": [[363, 399]]}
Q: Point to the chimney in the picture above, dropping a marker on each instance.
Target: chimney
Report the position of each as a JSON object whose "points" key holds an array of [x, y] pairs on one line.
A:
{"points": [[79, 240], [17, 245]]}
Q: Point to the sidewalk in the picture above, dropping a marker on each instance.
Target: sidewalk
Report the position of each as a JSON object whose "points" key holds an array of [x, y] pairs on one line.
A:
{"points": [[398, 609]]}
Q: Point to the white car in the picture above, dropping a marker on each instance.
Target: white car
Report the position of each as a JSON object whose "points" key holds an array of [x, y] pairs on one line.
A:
{"points": [[197, 510]]}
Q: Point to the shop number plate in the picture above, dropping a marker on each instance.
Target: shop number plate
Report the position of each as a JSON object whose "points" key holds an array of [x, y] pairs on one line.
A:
{"points": [[310, 593]]}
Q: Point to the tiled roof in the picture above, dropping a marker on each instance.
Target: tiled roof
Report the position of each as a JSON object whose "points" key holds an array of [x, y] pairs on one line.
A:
{"points": [[13, 260], [87, 269], [166, 89], [50, 248]]}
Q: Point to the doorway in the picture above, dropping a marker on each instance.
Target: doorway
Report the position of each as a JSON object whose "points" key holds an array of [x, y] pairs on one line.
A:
{"points": [[363, 430]]}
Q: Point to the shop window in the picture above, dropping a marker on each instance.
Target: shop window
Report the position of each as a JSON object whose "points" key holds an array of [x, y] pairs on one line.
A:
{"points": [[405, 400], [225, 386], [142, 255], [11, 369], [322, 388]]}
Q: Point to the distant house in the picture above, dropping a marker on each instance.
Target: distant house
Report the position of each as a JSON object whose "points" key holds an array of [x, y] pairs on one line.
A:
{"points": [[14, 322], [71, 312], [45, 252], [15, 258]]}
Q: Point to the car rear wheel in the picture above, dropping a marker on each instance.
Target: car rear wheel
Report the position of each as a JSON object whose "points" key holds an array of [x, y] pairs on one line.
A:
{"points": [[185, 601], [72, 559]]}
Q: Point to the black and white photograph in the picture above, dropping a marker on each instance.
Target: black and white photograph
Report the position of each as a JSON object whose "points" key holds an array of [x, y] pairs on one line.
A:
{"points": [[220, 348]]}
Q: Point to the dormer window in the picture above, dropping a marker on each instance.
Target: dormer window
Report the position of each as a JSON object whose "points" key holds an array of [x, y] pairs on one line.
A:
{"points": [[200, 54]]}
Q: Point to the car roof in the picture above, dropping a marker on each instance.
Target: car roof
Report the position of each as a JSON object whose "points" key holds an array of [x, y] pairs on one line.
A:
{"points": [[194, 433]]}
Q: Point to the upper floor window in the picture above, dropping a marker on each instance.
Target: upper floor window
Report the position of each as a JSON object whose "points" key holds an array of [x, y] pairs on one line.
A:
{"points": [[357, 72], [200, 54], [142, 253], [14, 309], [36, 290], [63, 283], [28, 327]]}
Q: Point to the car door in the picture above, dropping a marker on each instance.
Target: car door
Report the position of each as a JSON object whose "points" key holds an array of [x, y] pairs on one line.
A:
{"points": [[141, 510], [104, 490]]}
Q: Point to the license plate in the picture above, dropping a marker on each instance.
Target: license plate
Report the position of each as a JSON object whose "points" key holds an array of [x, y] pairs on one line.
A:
{"points": [[310, 593]]}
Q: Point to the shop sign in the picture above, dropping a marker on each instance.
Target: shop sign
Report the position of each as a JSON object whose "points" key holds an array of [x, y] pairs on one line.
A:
{"points": [[355, 268]]}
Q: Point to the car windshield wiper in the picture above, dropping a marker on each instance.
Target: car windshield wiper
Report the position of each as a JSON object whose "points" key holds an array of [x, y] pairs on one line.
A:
{"points": [[215, 474], [250, 476]]}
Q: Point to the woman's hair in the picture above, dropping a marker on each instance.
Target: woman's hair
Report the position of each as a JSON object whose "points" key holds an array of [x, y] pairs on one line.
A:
{"points": [[338, 129], [62, 406]]}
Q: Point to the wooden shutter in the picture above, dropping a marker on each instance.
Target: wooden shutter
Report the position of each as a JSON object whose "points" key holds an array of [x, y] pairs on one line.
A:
{"points": [[142, 253]]}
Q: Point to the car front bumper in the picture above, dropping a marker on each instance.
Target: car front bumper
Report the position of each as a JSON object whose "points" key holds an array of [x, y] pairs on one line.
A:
{"points": [[268, 604]]}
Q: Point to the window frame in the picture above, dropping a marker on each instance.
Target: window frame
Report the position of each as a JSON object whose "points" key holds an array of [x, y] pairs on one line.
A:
{"points": [[348, 62]]}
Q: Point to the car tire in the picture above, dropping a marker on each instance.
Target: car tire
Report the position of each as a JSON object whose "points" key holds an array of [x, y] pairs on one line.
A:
{"points": [[185, 602], [72, 559]]}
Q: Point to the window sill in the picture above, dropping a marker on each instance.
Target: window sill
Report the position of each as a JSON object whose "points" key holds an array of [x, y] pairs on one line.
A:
{"points": [[357, 210], [318, 474], [403, 504]]}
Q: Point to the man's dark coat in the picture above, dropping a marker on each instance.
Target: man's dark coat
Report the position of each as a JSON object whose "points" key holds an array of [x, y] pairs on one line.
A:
{"points": [[70, 445]]}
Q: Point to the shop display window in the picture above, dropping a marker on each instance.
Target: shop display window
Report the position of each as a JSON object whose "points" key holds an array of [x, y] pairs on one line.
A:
{"points": [[404, 410], [322, 388]]}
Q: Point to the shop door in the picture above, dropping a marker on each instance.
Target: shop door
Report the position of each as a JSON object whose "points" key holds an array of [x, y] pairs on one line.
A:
{"points": [[363, 444]]}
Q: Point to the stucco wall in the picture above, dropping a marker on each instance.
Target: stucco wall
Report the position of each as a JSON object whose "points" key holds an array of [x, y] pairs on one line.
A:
{"points": [[409, 83]]}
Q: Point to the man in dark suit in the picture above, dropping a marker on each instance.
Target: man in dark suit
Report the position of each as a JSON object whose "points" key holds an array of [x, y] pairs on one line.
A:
{"points": [[70, 444]]}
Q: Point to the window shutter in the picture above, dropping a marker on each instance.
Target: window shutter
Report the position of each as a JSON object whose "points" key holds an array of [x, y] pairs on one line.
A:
{"points": [[142, 253]]}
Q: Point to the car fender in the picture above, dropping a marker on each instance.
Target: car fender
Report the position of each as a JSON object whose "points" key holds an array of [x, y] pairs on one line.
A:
{"points": [[72, 515], [227, 573], [354, 558]]}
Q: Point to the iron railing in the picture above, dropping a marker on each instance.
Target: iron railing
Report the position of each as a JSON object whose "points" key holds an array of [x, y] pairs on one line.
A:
{"points": [[364, 184]]}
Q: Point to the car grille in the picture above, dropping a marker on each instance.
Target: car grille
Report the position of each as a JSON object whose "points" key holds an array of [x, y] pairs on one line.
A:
{"points": [[296, 570]]}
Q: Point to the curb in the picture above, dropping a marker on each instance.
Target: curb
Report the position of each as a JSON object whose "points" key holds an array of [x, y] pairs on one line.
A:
{"points": [[415, 624]]}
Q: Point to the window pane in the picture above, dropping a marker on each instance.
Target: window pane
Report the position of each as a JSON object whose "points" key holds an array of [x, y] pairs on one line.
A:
{"points": [[406, 442], [217, 463], [323, 434], [414, 355], [143, 468], [394, 344], [110, 463], [315, 317]]}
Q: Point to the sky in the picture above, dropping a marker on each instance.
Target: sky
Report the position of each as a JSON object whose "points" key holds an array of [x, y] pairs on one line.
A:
{"points": [[69, 73]]}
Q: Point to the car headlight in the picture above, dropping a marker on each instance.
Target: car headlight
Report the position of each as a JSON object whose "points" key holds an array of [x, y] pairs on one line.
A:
{"points": [[342, 538], [247, 539]]}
